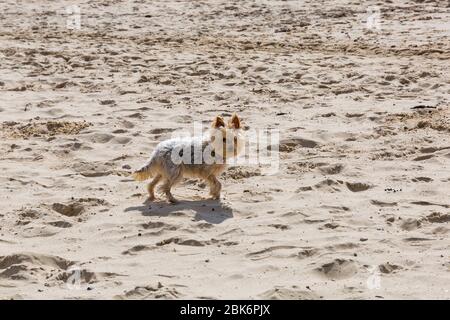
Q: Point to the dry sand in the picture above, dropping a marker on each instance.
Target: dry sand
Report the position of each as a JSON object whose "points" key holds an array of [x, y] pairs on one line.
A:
{"points": [[360, 206]]}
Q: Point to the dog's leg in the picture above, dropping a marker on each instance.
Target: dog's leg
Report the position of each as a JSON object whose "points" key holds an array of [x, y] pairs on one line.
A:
{"points": [[169, 182], [215, 187], [166, 189], [151, 187]]}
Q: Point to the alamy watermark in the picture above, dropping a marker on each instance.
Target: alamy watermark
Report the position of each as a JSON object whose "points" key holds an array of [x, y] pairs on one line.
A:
{"points": [[253, 147], [374, 280], [73, 21], [73, 282], [373, 18]]}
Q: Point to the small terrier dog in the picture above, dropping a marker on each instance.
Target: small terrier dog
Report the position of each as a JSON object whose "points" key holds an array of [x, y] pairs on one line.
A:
{"points": [[198, 157]]}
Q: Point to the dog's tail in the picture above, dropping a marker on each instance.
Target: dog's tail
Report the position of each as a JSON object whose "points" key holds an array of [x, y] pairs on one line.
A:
{"points": [[143, 173]]}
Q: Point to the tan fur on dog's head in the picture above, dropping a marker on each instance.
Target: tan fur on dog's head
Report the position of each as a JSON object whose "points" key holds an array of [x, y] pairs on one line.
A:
{"points": [[227, 140]]}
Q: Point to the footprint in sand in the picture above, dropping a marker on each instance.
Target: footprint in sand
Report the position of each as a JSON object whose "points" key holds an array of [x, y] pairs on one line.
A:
{"points": [[292, 293], [127, 124], [69, 210], [329, 185], [77, 207], [107, 102], [181, 119], [238, 173], [161, 130], [100, 137], [307, 252], [388, 268], [438, 217], [158, 224], [93, 169], [38, 129], [422, 179], [338, 269], [383, 204], [138, 248], [422, 158], [121, 140], [331, 169], [35, 267], [410, 224], [60, 224], [136, 115], [291, 144], [157, 291], [358, 186], [268, 252], [183, 242]]}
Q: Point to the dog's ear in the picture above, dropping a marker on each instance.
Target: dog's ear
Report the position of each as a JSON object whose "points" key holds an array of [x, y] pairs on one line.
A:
{"points": [[218, 122], [235, 122]]}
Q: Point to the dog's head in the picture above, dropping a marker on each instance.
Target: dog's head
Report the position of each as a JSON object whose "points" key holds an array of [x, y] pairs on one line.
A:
{"points": [[227, 139]]}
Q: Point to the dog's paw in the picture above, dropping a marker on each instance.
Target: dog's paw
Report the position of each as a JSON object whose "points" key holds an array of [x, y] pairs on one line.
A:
{"points": [[173, 200], [215, 197]]}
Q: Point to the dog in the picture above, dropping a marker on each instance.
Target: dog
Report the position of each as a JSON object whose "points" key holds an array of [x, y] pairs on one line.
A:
{"points": [[203, 157]]}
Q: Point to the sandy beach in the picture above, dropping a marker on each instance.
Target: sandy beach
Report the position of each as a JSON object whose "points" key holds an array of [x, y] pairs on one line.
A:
{"points": [[359, 207]]}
